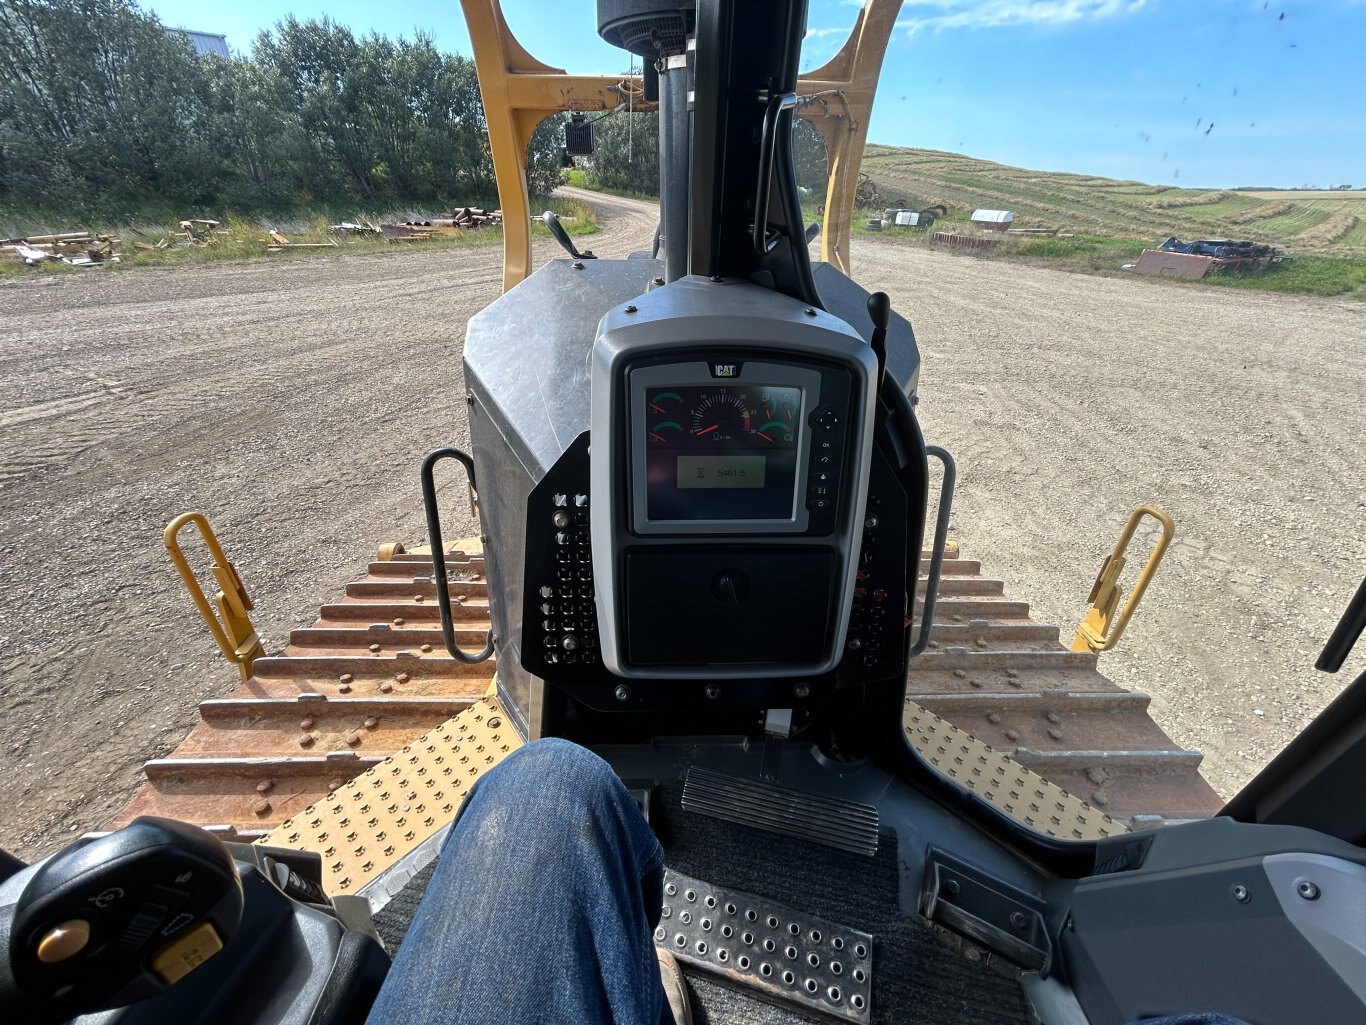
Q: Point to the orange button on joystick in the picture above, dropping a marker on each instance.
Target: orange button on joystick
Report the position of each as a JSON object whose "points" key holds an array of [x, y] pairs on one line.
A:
{"points": [[64, 941]]}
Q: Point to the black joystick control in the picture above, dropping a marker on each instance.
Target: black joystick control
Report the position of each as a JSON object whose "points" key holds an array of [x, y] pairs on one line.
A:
{"points": [[880, 312], [108, 923]]}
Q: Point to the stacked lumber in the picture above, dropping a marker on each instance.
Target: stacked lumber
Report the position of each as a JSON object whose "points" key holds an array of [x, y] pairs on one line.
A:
{"points": [[76, 248], [200, 233], [278, 242]]}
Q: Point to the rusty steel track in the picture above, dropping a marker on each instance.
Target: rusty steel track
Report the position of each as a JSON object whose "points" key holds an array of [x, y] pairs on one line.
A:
{"points": [[372, 675]]}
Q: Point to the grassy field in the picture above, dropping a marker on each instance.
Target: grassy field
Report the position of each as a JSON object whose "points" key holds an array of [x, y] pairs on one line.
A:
{"points": [[245, 238], [1112, 221], [1108, 207]]}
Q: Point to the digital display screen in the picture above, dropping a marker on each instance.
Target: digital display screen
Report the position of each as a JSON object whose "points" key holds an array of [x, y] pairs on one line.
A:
{"points": [[721, 471], [722, 451]]}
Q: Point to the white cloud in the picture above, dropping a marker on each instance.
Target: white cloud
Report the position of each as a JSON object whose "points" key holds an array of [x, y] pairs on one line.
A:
{"points": [[935, 15], [821, 33]]}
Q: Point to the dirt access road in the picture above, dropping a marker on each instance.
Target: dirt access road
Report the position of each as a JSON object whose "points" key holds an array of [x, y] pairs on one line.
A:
{"points": [[292, 402]]}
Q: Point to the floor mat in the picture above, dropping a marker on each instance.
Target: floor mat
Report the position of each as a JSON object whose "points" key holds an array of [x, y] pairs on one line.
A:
{"points": [[917, 980]]}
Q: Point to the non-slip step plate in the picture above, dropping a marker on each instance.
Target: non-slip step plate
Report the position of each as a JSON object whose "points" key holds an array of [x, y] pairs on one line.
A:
{"points": [[845, 825], [793, 957]]}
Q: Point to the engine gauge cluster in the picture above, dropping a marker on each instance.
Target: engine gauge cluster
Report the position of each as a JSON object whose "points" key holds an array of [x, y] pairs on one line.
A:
{"points": [[703, 441], [763, 418]]}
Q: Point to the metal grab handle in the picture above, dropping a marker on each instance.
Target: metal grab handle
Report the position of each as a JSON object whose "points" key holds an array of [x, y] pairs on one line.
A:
{"points": [[230, 625], [777, 106], [443, 594], [941, 539], [1345, 634], [1102, 629]]}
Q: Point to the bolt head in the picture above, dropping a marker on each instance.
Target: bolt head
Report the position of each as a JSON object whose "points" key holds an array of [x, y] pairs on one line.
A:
{"points": [[264, 786], [622, 693], [712, 691], [1241, 893], [809, 312], [1307, 889], [630, 309], [802, 690], [261, 807]]}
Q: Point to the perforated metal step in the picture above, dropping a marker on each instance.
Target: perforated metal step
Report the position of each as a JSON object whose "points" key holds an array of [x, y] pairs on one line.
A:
{"points": [[790, 956]]}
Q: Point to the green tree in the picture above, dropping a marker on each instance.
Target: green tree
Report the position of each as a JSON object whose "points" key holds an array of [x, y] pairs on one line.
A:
{"points": [[626, 153], [94, 95], [545, 156]]}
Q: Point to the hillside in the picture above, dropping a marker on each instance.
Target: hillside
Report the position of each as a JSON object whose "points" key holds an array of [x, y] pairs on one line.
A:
{"points": [[1328, 223]]}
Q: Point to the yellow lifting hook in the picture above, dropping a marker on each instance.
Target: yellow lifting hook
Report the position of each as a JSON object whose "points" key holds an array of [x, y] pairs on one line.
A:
{"points": [[230, 625], [1102, 629]]}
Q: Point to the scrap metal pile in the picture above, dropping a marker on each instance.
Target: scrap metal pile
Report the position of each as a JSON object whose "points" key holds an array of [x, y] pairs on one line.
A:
{"points": [[1200, 257], [1223, 249], [464, 219]]}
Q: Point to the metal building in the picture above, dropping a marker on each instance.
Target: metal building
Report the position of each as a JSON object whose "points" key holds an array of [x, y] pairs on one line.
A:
{"points": [[203, 42]]}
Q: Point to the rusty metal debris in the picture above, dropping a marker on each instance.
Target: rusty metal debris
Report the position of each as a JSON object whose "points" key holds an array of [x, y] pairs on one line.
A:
{"points": [[464, 219], [948, 238]]}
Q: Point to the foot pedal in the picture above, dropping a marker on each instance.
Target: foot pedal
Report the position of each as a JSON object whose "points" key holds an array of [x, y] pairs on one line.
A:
{"points": [[844, 825], [792, 957]]}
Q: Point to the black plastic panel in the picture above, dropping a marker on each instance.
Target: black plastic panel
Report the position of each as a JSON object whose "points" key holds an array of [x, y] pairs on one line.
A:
{"points": [[745, 606], [875, 645], [559, 621]]}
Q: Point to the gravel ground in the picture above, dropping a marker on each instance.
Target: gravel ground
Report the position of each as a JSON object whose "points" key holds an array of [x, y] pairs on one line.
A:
{"points": [[292, 401]]}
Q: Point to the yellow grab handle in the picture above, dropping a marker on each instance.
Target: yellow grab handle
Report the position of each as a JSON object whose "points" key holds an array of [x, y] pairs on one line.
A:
{"points": [[230, 624], [1102, 628]]}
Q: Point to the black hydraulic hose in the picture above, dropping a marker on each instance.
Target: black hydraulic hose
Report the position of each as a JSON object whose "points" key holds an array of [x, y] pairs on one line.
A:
{"points": [[443, 595]]}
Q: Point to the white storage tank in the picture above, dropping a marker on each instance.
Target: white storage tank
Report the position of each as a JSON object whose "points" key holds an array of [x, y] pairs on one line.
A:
{"points": [[993, 220]]}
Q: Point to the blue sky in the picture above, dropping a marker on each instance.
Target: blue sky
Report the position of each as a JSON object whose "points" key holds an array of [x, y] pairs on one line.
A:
{"points": [[1122, 88]]}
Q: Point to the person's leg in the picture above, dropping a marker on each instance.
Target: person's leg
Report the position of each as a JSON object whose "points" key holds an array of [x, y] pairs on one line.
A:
{"points": [[542, 906]]}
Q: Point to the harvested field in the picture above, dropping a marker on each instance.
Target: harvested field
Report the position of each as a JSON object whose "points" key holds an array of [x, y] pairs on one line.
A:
{"points": [[1334, 229], [292, 403], [1118, 208]]}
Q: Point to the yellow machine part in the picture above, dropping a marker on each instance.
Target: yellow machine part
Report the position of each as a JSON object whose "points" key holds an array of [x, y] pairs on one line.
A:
{"points": [[1105, 622], [519, 92]]}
